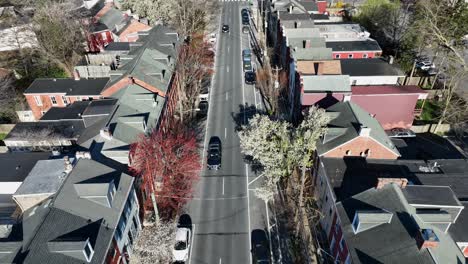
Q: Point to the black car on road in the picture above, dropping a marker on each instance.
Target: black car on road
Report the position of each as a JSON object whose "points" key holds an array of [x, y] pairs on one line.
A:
{"points": [[214, 154], [249, 77], [225, 29], [260, 247]]}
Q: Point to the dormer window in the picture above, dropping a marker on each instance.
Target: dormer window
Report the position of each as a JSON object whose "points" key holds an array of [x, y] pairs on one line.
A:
{"points": [[88, 251]]}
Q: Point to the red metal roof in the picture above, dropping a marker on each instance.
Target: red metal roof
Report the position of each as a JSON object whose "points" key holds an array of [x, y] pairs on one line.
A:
{"points": [[386, 89]]}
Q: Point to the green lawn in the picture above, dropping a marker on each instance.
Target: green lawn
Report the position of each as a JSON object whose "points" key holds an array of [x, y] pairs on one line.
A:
{"points": [[2, 136], [431, 110]]}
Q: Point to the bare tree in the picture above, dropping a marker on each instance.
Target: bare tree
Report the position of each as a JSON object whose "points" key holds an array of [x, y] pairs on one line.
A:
{"points": [[8, 97], [265, 84], [60, 33], [154, 244]]}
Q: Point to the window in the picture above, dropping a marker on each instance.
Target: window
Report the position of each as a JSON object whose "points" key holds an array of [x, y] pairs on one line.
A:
{"points": [[330, 212], [342, 244], [88, 251], [43, 112], [332, 246], [38, 100], [337, 56], [350, 56], [64, 99], [53, 100], [78, 98], [355, 223], [354, 82], [326, 198], [365, 56], [348, 152]]}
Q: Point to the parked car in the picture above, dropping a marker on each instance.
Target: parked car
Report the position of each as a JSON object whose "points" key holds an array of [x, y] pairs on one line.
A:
{"points": [[214, 154], [250, 77], [246, 55], [247, 65], [400, 133], [202, 108], [260, 247], [225, 29], [425, 65], [181, 249], [245, 21], [245, 29], [245, 11]]}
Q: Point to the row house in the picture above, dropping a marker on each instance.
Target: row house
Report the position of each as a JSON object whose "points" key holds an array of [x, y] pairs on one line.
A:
{"points": [[376, 71], [112, 25], [354, 193], [81, 212], [44, 94], [359, 49]]}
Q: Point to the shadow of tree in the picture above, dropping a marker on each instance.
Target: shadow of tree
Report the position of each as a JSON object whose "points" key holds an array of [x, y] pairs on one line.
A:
{"points": [[246, 112]]}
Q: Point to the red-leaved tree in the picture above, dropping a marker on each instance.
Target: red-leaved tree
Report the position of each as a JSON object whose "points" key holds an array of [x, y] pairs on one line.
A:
{"points": [[168, 161]]}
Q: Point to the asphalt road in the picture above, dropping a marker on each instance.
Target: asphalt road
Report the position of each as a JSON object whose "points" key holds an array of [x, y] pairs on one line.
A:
{"points": [[224, 212]]}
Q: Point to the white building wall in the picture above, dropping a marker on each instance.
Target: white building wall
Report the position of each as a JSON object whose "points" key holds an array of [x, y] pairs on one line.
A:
{"points": [[373, 80], [326, 200]]}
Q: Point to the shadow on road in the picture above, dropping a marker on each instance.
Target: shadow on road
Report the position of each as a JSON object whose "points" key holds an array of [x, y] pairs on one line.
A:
{"points": [[246, 112]]}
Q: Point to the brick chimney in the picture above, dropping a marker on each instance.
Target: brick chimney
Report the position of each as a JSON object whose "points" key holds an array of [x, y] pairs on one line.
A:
{"points": [[426, 238], [381, 182]]}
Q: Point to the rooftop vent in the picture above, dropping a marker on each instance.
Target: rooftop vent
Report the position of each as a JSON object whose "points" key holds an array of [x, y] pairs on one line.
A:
{"points": [[427, 238], [364, 131], [83, 155], [430, 168]]}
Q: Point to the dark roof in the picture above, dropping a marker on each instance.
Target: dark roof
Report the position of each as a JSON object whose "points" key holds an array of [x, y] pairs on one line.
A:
{"points": [[309, 5], [392, 242], [69, 87], [46, 130], [459, 230], [17, 165], [71, 112], [285, 15], [100, 107], [320, 17], [369, 67], [361, 45], [350, 176], [118, 46], [430, 195], [57, 225]]}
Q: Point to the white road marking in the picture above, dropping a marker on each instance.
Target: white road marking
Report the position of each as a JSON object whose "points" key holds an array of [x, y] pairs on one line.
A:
{"points": [[220, 261], [193, 244], [248, 208], [227, 96], [269, 227], [277, 235], [223, 185], [228, 49], [255, 179], [225, 132], [227, 68]]}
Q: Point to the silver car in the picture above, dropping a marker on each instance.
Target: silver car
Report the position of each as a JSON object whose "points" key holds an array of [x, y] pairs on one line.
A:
{"points": [[400, 133]]}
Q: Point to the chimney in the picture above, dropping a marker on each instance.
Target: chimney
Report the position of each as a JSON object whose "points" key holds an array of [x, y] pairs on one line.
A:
{"points": [[401, 182], [106, 133], [83, 155], [68, 166], [426, 238], [291, 9], [364, 131]]}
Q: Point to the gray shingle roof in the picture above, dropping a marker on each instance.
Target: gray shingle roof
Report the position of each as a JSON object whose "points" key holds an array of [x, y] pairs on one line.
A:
{"points": [[47, 130], [312, 54], [325, 83], [149, 62], [393, 242], [69, 87], [431, 195], [348, 119], [369, 67]]}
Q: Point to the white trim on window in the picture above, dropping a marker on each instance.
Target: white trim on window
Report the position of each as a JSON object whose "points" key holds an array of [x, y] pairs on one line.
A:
{"points": [[38, 100], [350, 56], [90, 253], [337, 56], [64, 100], [365, 56], [53, 100]]}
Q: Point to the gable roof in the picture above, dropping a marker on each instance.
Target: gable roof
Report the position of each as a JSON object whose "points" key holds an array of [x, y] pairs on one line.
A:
{"points": [[152, 62], [15, 166], [392, 242], [369, 67], [69, 87], [348, 118]]}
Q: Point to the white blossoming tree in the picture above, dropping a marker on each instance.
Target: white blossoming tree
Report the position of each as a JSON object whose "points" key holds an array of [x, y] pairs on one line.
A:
{"points": [[281, 148], [154, 245]]}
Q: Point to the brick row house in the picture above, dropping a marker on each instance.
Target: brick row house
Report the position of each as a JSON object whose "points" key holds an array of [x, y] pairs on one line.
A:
{"points": [[81, 212], [112, 25]]}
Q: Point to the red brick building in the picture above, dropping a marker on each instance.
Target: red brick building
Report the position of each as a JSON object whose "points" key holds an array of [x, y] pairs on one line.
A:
{"points": [[44, 94]]}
